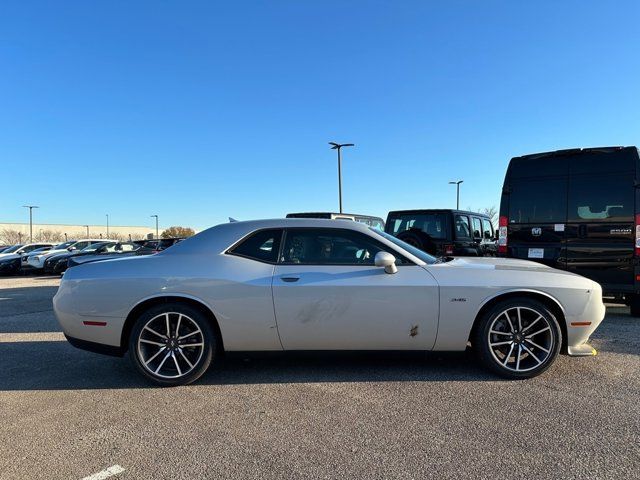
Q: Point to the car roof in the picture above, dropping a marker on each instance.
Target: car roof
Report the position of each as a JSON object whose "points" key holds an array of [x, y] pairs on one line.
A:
{"points": [[437, 210]]}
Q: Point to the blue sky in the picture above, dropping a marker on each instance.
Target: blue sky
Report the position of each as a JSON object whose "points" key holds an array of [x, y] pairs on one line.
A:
{"points": [[198, 111]]}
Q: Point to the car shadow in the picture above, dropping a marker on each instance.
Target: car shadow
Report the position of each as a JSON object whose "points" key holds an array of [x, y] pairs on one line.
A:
{"points": [[56, 365]]}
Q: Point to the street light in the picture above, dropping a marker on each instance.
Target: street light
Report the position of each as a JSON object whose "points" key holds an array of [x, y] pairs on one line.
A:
{"points": [[457, 184], [107, 225], [338, 146], [156, 226], [87, 230], [31, 207]]}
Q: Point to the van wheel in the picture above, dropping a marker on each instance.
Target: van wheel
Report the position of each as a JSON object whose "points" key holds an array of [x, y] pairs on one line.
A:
{"points": [[634, 305]]}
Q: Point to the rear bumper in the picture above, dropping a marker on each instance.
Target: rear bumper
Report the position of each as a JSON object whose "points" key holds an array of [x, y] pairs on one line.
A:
{"points": [[95, 347]]}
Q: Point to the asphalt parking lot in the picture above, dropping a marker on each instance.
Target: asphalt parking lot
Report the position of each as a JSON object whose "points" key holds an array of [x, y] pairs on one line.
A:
{"points": [[66, 413]]}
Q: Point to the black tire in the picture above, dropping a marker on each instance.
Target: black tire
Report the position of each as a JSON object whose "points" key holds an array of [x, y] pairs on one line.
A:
{"points": [[634, 305], [526, 363], [419, 239], [187, 363]]}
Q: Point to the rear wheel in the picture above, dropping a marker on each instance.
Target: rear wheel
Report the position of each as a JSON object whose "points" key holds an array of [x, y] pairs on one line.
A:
{"points": [[172, 344], [518, 338]]}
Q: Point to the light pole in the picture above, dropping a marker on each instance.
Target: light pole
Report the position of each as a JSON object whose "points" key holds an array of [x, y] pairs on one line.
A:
{"points": [[31, 207], [156, 226], [107, 225], [457, 184], [87, 230], [338, 146]]}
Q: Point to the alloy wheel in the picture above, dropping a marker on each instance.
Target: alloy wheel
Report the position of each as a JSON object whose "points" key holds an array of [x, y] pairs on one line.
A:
{"points": [[521, 339], [170, 345]]}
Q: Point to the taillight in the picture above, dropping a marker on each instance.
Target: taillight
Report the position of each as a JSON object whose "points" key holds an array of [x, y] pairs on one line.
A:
{"points": [[637, 249], [448, 249], [502, 236]]}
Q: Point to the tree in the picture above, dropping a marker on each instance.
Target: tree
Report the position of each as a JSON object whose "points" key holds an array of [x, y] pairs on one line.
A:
{"points": [[173, 232], [492, 213]]}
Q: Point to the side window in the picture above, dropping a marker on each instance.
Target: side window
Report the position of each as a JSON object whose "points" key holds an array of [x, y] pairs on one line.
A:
{"points": [[462, 226], [487, 229], [262, 246], [477, 227], [538, 201], [602, 198], [81, 245], [331, 246]]}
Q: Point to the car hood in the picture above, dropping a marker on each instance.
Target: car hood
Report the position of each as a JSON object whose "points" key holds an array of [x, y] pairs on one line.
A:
{"points": [[492, 263]]}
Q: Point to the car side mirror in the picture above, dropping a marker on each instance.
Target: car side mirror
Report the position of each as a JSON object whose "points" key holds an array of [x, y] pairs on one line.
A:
{"points": [[71, 249], [386, 260]]}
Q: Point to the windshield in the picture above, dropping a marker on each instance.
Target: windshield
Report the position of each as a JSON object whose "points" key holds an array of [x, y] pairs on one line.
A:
{"points": [[12, 249], [64, 245], [425, 257], [94, 246]]}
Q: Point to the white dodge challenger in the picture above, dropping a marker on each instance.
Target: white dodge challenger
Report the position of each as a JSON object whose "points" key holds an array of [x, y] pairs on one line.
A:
{"points": [[298, 284]]}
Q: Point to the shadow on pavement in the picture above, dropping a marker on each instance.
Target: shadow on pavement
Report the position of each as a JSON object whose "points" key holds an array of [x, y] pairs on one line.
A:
{"points": [[59, 366]]}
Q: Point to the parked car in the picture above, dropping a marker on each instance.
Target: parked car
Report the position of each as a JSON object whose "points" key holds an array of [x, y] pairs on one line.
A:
{"points": [[577, 210], [158, 244], [108, 252], [321, 285], [36, 262], [56, 264], [444, 232], [10, 259], [375, 222], [4, 247]]}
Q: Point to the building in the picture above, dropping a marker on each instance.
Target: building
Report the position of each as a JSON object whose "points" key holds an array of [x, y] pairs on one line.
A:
{"points": [[11, 233]]}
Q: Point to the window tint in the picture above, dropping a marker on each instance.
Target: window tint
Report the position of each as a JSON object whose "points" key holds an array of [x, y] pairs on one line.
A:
{"points": [[331, 246], [601, 198], [262, 246], [433, 224], [487, 229], [477, 227], [538, 201], [462, 226], [538, 166]]}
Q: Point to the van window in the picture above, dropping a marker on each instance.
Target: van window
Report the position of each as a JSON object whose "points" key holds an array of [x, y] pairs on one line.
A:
{"points": [[487, 229], [602, 198], [462, 226], [477, 227], [538, 201]]}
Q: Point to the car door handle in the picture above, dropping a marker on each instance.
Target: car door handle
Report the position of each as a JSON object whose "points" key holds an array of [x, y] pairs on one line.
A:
{"points": [[289, 279]]}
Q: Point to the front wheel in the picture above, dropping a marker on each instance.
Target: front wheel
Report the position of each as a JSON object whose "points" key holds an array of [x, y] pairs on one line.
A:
{"points": [[518, 338], [172, 344]]}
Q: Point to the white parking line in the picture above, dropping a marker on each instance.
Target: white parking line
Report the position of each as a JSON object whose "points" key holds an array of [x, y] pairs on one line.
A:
{"points": [[109, 472], [31, 337]]}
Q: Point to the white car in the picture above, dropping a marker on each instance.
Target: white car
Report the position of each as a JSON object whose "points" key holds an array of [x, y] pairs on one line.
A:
{"points": [[298, 284], [17, 250], [37, 261]]}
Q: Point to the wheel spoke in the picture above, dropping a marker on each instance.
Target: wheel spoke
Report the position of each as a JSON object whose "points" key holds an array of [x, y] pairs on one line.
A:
{"points": [[188, 335], [518, 357], [185, 358], [154, 332], [192, 345], [538, 332], [166, 316], [509, 320], [162, 362], [155, 355], [499, 333], [519, 319], [536, 345], [501, 343], [532, 354], [175, 360], [178, 325], [142, 340], [531, 324], [506, 359]]}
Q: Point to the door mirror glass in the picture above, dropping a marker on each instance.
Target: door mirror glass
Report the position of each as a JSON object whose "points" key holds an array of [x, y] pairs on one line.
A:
{"points": [[386, 260]]}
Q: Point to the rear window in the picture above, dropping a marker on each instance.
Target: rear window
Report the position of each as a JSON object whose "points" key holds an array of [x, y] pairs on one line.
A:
{"points": [[433, 224], [601, 198], [538, 201]]}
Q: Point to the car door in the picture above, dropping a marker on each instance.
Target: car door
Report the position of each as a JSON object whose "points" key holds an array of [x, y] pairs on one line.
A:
{"points": [[329, 295]]}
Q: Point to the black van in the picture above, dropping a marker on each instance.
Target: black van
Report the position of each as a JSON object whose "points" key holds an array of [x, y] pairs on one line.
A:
{"points": [[577, 210], [444, 232]]}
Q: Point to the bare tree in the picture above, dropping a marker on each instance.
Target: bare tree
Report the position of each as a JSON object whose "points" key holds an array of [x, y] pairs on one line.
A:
{"points": [[11, 237]]}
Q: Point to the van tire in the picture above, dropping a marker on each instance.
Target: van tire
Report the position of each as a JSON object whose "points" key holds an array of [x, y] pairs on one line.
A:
{"points": [[634, 305]]}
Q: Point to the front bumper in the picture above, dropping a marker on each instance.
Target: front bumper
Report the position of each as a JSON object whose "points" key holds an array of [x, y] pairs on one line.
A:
{"points": [[10, 268], [582, 325]]}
